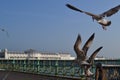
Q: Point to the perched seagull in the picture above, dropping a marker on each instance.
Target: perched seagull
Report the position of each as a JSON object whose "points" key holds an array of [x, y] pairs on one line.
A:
{"points": [[101, 17], [4, 31], [82, 54]]}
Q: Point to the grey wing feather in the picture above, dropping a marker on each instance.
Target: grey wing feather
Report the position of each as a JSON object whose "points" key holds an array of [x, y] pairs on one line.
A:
{"points": [[88, 13], [88, 44], [111, 11], [76, 45], [93, 15], [91, 58], [73, 8]]}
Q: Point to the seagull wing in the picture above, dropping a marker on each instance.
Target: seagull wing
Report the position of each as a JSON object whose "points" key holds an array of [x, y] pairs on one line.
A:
{"points": [[111, 11], [88, 44], [91, 58], [88, 13], [76, 45], [73, 8]]}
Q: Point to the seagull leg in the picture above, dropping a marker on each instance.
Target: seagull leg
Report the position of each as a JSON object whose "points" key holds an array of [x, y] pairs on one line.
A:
{"points": [[104, 27]]}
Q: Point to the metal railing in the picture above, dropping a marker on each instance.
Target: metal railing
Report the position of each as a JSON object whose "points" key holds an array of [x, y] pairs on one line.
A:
{"points": [[61, 68]]}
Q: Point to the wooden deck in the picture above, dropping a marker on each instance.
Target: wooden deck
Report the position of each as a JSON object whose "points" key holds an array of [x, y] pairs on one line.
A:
{"points": [[10, 75]]}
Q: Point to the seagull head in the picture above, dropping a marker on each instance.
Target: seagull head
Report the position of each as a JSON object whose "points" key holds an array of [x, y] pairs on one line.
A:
{"points": [[109, 23]]}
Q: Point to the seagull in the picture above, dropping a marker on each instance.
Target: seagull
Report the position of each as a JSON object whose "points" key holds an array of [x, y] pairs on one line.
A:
{"points": [[82, 54], [101, 17], [4, 31], [90, 61]]}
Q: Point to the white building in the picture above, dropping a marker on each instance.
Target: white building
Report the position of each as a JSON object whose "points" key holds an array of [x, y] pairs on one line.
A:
{"points": [[33, 54]]}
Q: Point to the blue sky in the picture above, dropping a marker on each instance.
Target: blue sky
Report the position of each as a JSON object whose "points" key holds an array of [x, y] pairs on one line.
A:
{"points": [[48, 25]]}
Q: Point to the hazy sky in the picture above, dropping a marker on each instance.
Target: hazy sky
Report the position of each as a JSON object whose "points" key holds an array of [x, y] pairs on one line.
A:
{"points": [[48, 25]]}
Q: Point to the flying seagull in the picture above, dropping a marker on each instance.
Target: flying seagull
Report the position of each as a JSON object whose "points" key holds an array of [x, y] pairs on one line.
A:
{"points": [[82, 54], [90, 61], [4, 31], [101, 17]]}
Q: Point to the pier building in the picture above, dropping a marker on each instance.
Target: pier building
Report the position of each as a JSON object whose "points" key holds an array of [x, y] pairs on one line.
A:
{"points": [[34, 55]]}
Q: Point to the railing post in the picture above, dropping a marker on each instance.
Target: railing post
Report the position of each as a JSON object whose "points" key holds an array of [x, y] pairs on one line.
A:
{"points": [[33, 66], [13, 65], [38, 66], [64, 72], [56, 67], [73, 71], [24, 65], [44, 66], [49, 66]]}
